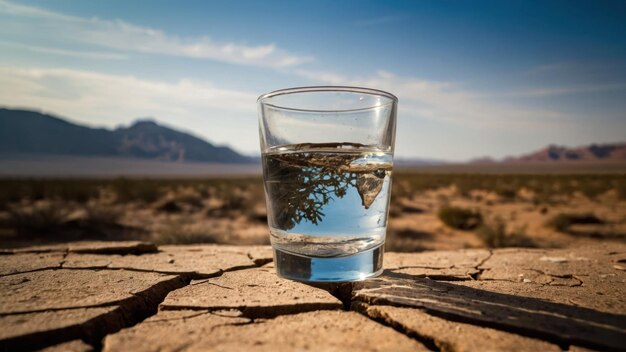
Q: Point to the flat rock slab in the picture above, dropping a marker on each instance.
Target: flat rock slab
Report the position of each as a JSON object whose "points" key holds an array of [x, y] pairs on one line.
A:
{"points": [[560, 323], [445, 335], [437, 260], [585, 277], [61, 289], [19, 263], [41, 308], [610, 300], [441, 265], [203, 261], [316, 331], [196, 261], [56, 320], [569, 297], [99, 247], [256, 292]]}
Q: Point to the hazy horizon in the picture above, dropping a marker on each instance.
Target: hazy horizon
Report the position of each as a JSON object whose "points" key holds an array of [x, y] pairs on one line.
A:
{"points": [[257, 154], [481, 79]]}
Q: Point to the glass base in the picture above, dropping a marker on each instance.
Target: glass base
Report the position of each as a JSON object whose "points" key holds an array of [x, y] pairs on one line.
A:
{"points": [[355, 267]]}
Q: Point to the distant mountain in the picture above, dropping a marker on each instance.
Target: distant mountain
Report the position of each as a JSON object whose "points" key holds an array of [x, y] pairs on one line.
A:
{"points": [[594, 152], [31, 132]]}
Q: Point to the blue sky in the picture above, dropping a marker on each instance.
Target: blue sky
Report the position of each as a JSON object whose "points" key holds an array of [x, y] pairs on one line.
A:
{"points": [[473, 78]]}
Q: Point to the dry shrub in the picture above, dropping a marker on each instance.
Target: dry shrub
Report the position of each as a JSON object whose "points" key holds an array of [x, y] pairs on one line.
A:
{"points": [[495, 235], [190, 197], [459, 218], [42, 219], [146, 191], [562, 221], [101, 215]]}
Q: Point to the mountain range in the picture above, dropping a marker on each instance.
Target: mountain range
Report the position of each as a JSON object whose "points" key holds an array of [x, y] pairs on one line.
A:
{"points": [[31, 132], [593, 152], [35, 133]]}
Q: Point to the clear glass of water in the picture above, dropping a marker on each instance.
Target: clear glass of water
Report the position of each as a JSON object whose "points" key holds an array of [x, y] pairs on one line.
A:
{"points": [[327, 161]]}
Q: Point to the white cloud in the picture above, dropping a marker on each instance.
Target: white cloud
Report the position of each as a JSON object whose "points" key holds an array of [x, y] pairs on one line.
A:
{"points": [[567, 90], [97, 55], [85, 93], [444, 101], [110, 100], [120, 35]]}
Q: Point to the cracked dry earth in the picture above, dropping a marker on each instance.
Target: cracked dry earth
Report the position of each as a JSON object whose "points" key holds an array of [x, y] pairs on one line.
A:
{"points": [[133, 296]]}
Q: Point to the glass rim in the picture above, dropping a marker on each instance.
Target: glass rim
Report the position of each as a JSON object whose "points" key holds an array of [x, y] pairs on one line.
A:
{"points": [[307, 89]]}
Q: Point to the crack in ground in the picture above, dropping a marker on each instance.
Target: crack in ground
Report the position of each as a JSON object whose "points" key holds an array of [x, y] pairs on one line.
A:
{"points": [[62, 261], [129, 312], [349, 301], [345, 293], [33, 271], [207, 281], [384, 320], [264, 312], [477, 276], [132, 312], [179, 318], [551, 336], [437, 277], [423, 267]]}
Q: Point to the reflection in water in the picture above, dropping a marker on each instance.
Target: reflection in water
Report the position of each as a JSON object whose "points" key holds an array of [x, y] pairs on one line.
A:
{"points": [[299, 185]]}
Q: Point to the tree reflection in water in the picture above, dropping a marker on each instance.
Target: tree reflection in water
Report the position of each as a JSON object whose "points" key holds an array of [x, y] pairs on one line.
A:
{"points": [[300, 185]]}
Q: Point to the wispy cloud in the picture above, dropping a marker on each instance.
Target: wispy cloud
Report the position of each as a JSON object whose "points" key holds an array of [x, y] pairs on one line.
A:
{"points": [[120, 35], [444, 101], [566, 90], [109, 100], [87, 93], [96, 55]]}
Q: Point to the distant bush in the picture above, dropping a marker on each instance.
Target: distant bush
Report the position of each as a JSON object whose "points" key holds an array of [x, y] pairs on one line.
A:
{"points": [[39, 220], [146, 191], [544, 187], [16, 190], [508, 193], [460, 218], [406, 186], [562, 221], [100, 215], [495, 235], [620, 188], [190, 197]]}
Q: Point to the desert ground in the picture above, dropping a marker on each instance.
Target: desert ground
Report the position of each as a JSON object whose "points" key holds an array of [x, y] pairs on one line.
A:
{"points": [[429, 210]]}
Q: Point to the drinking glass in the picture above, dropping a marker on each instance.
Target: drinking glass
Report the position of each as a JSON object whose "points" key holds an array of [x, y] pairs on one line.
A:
{"points": [[327, 156]]}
